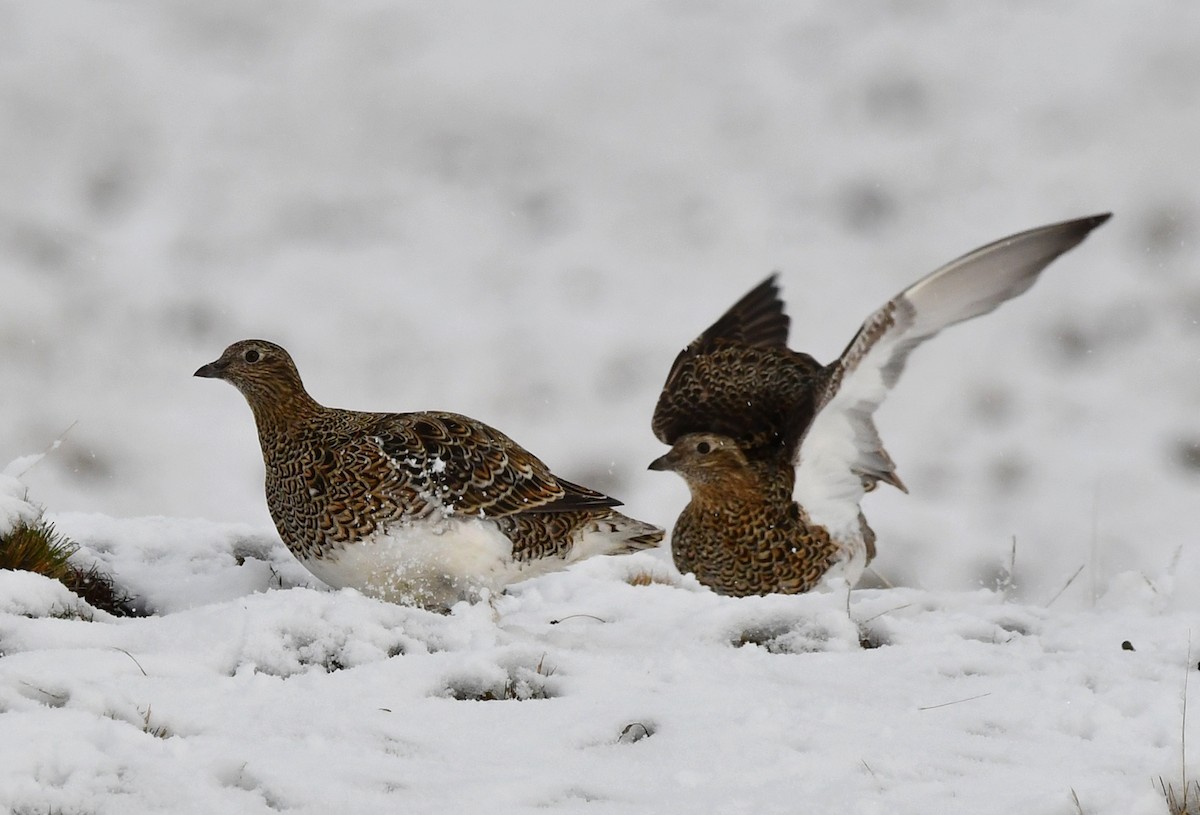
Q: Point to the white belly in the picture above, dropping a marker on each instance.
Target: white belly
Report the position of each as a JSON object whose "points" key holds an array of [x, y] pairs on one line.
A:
{"points": [[846, 530], [849, 568], [432, 564]]}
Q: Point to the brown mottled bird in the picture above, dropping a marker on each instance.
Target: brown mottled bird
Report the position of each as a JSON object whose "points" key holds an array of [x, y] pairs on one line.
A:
{"points": [[417, 508], [778, 450]]}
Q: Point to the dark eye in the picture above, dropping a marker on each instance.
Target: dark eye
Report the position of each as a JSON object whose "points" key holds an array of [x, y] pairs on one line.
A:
{"points": [[703, 448], [251, 355]]}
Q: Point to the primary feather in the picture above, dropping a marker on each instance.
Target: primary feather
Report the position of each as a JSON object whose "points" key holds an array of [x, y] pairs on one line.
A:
{"points": [[840, 452]]}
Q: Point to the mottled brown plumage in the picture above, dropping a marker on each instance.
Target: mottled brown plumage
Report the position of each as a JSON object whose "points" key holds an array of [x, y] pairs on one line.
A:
{"points": [[742, 534], [778, 450], [424, 508], [739, 379]]}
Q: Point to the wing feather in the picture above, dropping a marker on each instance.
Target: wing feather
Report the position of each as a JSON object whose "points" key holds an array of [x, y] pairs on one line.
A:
{"points": [[465, 467], [841, 454], [757, 319], [739, 379]]}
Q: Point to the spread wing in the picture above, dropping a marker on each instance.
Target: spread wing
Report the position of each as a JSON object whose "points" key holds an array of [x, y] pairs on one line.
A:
{"points": [[465, 467], [757, 319], [841, 455], [738, 378]]}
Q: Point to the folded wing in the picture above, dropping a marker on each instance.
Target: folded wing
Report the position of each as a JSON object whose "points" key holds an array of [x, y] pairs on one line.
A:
{"points": [[458, 465]]}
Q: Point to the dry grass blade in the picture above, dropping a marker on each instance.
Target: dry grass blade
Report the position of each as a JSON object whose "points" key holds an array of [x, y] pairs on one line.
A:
{"points": [[135, 662], [886, 611], [1066, 585], [1007, 584], [575, 616], [955, 702], [1187, 669], [1185, 803], [50, 448], [159, 731], [887, 584]]}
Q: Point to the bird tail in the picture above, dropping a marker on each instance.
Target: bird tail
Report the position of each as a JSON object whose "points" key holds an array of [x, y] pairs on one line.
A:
{"points": [[619, 534]]}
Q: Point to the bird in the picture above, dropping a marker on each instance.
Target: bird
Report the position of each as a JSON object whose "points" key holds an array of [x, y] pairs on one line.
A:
{"points": [[422, 508], [778, 450]]}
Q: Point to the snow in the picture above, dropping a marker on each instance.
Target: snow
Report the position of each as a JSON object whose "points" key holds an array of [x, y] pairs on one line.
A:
{"points": [[270, 696], [521, 212], [15, 507]]}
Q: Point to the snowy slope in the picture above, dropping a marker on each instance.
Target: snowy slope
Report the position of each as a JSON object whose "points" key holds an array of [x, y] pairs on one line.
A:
{"points": [[248, 693]]}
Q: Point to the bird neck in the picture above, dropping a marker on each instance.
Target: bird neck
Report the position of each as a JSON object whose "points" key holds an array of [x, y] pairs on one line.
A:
{"points": [[763, 484], [283, 415]]}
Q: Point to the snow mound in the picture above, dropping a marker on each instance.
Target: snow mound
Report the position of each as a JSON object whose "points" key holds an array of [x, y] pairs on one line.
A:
{"points": [[31, 595], [15, 507]]}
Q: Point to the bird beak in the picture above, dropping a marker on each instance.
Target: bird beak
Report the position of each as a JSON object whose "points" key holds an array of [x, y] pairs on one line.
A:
{"points": [[213, 370], [666, 462]]}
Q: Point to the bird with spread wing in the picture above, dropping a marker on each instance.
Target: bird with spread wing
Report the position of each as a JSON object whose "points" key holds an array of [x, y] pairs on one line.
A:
{"points": [[778, 450]]}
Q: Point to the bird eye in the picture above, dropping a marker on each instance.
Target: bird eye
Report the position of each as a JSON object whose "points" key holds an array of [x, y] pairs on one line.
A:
{"points": [[251, 355], [703, 448]]}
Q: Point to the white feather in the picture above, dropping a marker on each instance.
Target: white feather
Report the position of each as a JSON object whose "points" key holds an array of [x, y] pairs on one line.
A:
{"points": [[841, 447], [436, 563], [429, 563]]}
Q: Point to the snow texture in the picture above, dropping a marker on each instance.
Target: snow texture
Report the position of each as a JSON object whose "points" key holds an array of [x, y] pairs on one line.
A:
{"points": [[521, 211], [575, 692]]}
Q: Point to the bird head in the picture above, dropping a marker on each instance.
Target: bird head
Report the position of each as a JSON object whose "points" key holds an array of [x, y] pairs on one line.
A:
{"points": [[261, 370], [705, 459]]}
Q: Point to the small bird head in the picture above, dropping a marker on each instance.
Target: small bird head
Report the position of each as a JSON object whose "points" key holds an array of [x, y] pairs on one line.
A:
{"points": [[705, 459], [261, 370]]}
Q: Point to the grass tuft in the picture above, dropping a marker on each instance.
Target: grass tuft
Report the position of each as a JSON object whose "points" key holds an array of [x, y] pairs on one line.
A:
{"points": [[37, 547], [522, 684], [158, 731], [1185, 802]]}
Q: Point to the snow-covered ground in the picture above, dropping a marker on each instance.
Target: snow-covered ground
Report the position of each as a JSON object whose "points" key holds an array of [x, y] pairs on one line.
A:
{"points": [[521, 211], [249, 691]]}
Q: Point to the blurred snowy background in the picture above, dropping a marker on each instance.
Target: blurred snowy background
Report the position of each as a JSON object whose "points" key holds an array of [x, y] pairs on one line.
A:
{"points": [[522, 211]]}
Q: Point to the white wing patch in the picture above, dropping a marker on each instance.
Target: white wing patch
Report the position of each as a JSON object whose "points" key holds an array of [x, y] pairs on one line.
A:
{"points": [[842, 448], [841, 454]]}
